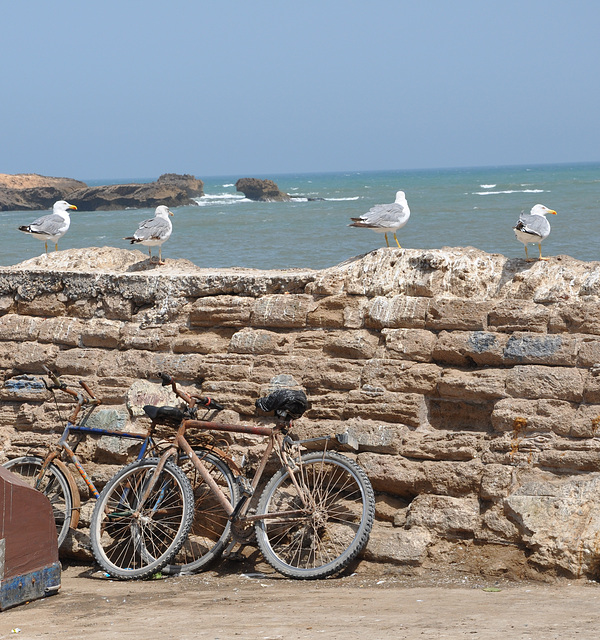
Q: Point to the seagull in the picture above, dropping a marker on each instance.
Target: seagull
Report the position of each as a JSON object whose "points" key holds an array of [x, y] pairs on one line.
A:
{"points": [[154, 231], [385, 218], [53, 226], [533, 227]]}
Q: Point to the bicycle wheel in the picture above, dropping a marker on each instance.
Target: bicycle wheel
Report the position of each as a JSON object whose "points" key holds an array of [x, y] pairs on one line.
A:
{"points": [[53, 484], [131, 539], [211, 528], [320, 522]]}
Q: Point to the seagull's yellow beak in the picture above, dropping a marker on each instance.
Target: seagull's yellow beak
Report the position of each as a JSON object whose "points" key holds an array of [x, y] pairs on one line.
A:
{"points": [[170, 212], [552, 212], [72, 206]]}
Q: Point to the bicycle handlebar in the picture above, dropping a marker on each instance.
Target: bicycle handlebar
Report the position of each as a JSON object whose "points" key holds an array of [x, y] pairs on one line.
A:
{"points": [[205, 401], [59, 384]]}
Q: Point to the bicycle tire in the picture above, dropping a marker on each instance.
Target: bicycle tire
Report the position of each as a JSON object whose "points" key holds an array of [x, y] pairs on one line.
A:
{"points": [[211, 527], [321, 535], [53, 484], [133, 541]]}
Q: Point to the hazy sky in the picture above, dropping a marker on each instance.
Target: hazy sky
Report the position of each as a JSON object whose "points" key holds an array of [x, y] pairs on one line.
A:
{"points": [[132, 89]]}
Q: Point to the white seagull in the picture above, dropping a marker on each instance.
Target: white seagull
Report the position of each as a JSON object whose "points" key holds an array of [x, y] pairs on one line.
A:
{"points": [[53, 226], [385, 218], [154, 231], [533, 227]]}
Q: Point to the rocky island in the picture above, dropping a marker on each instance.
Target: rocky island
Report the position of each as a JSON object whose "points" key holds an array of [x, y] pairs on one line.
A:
{"points": [[32, 192]]}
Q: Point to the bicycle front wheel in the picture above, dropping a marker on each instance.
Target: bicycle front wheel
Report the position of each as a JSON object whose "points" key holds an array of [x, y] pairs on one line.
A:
{"points": [[317, 521], [53, 484], [132, 538], [211, 528]]}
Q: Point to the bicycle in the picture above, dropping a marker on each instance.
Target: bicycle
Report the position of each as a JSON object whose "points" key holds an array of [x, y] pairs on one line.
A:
{"points": [[50, 474], [312, 519]]}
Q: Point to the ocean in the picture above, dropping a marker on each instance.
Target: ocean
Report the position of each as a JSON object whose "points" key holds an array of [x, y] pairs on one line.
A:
{"points": [[474, 207]]}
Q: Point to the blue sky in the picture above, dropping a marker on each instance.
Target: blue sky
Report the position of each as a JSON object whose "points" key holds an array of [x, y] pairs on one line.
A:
{"points": [[133, 89]]}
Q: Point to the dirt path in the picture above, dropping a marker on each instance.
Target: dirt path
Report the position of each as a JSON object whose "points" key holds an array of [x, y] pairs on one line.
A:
{"points": [[266, 606]]}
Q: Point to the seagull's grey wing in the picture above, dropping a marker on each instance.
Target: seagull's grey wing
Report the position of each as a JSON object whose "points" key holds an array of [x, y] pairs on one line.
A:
{"points": [[534, 225], [152, 229], [383, 215], [51, 224]]}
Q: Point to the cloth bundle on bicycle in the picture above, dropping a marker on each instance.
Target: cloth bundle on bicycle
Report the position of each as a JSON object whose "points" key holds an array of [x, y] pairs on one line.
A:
{"points": [[286, 403], [170, 416]]}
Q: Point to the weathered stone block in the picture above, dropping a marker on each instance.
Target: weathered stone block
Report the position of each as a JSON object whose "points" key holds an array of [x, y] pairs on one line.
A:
{"points": [[45, 305], [419, 445], [549, 349], [397, 311], [496, 481], [102, 333], [65, 331], [335, 312], [369, 403], [132, 336], [19, 328], [524, 417], [399, 546], [30, 357], [519, 315], [329, 373], [203, 342], [457, 314], [360, 344], [226, 311], [285, 311], [409, 344], [448, 414], [260, 341], [463, 348], [399, 476], [531, 381], [478, 385], [577, 316], [398, 375], [446, 515]]}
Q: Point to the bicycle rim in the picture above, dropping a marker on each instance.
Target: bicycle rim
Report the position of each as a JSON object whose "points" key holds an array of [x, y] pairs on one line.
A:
{"points": [[319, 530], [134, 540], [53, 484], [211, 528]]}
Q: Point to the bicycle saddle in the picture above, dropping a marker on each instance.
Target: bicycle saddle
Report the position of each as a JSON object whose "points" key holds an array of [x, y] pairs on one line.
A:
{"points": [[170, 416], [286, 403]]}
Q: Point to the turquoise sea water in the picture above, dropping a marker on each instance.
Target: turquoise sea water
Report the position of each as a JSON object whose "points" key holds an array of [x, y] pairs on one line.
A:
{"points": [[449, 207]]}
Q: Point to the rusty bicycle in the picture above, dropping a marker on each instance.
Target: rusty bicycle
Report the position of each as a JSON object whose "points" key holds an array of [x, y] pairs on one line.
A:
{"points": [[52, 476], [311, 519]]}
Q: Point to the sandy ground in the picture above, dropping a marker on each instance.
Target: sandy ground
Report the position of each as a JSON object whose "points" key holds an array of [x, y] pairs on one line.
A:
{"points": [[231, 603]]}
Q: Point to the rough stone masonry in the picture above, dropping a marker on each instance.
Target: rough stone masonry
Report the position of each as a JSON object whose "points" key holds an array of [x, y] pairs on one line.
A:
{"points": [[469, 380]]}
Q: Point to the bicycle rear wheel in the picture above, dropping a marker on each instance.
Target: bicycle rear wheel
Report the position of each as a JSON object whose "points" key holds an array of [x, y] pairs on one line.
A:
{"points": [[53, 484], [211, 528], [318, 524], [131, 539]]}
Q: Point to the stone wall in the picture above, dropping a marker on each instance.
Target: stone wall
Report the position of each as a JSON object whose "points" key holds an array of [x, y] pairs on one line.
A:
{"points": [[468, 379]]}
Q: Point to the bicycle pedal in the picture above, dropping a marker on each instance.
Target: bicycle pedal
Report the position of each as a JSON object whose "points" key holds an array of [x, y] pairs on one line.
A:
{"points": [[245, 486], [229, 549]]}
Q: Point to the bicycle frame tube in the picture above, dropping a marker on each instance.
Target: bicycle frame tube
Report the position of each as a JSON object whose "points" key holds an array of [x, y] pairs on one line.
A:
{"points": [[63, 444]]}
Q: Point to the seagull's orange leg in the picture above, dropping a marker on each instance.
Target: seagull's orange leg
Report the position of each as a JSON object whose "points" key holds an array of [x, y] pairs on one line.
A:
{"points": [[396, 239]]}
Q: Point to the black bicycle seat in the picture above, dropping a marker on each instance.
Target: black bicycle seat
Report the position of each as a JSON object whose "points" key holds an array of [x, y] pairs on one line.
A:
{"points": [[164, 415]]}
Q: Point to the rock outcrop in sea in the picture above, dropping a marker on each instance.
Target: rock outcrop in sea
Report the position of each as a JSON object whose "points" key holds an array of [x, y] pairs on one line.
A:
{"points": [[31, 192], [261, 190]]}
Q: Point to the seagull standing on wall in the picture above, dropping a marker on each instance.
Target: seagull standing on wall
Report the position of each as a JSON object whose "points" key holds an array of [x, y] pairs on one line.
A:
{"points": [[385, 218], [533, 227], [53, 226], [154, 231]]}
